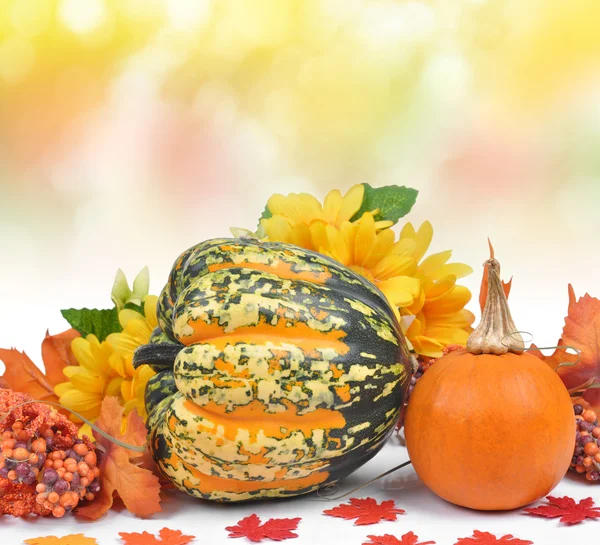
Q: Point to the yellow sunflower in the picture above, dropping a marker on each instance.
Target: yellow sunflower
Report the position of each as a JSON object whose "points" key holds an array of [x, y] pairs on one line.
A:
{"points": [[293, 214], [424, 291], [105, 368]]}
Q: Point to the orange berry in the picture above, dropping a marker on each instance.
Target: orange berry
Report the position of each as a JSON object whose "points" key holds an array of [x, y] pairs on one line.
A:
{"points": [[80, 449], [33, 458], [7, 453], [61, 472], [66, 500], [580, 469], [57, 464], [48, 464], [12, 475], [39, 445], [40, 487], [21, 454], [7, 434], [58, 511], [588, 462], [596, 432], [68, 476], [91, 459], [89, 496], [35, 471], [18, 425], [591, 448], [96, 472], [40, 498], [48, 433], [589, 416], [53, 497], [48, 505], [10, 443], [22, 435], [70, 465], [84, 481], [83, 469]]}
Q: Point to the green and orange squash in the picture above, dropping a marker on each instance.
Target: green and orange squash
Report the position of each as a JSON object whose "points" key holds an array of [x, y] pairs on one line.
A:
{"points": [[279, 370]]}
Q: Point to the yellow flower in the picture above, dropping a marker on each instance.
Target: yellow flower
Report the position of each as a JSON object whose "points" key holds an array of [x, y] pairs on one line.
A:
{"points": [[137, 330], [423, 291], [293, 214], [105, 368]]}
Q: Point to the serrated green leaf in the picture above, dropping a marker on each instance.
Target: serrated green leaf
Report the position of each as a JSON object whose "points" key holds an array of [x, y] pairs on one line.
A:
{"points": [[265, 215], [93, 321], [393, 202]]}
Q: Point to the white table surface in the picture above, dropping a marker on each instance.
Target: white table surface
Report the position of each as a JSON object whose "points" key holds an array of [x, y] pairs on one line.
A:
{"points": [[426, 515]]}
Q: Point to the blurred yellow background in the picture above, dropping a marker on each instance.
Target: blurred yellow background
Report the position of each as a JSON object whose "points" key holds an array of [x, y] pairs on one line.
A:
{"points": [[132, 129]]}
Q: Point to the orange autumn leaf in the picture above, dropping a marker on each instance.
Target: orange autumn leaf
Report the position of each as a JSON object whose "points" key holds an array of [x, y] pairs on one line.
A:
{"points": [[71, 539], [582, 332], [120, 471], [483, 291], [22, 375], [167, 537]]}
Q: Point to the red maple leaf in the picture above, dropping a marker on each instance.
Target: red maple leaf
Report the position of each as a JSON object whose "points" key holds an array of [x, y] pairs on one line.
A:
{"points": [[275, 529], [167, 537], [406, 539], [366, 511], [567, 509], [485, 538]]}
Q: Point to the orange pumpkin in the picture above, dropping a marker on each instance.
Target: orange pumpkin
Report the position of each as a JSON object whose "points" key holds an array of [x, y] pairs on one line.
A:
{"points": [[491, 427]]}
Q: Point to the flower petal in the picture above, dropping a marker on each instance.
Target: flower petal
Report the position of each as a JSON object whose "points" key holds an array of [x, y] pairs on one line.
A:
{"points": [[459, 270], [450, 303], [332, 205], [401, 291], [351, 203]]}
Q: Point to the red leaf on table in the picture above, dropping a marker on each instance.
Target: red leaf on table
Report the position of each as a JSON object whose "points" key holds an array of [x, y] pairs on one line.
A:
{"points": [[274, 529], [567, 509], [485, 538], [366, 511], [406, 539], [119, 467], [167, 537]]}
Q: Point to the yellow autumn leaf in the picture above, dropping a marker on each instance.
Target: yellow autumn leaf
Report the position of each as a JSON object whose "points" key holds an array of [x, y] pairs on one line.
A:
{"points": [[71, 539]]}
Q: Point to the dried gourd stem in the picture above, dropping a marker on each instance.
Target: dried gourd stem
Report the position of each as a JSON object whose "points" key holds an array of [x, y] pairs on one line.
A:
{"points": [[496, 322]]}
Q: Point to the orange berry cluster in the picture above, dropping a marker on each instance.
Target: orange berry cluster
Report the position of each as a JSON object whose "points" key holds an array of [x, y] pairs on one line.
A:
{"points": [[586, 458], [62, 478]]}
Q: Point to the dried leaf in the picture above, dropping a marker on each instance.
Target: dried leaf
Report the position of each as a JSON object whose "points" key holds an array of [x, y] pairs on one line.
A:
{"points": [[483, 291], [485, 538], [274, 529], [57, 354], [71, 539], [567, 509], [120, 473], [582, 332], [406, 539], [366, 511], [22, 375], [167, 537]]}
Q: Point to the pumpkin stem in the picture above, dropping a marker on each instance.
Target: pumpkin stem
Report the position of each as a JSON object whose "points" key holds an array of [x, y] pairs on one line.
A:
{"points": [[496, 333]]}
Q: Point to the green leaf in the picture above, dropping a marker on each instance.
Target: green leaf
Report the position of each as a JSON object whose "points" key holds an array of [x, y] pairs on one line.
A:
{"points": [[393, 202], [133, 306], [265, 215], [93, 321]]}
